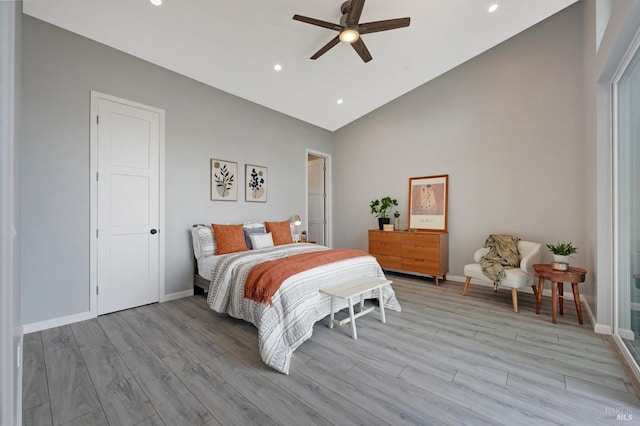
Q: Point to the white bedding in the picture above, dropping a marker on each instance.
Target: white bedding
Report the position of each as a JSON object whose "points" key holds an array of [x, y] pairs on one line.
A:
{"points": [[297, 305], [206, 265]]}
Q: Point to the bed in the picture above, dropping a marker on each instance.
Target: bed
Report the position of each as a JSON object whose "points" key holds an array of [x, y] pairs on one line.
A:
{"points": [[295, 307]]}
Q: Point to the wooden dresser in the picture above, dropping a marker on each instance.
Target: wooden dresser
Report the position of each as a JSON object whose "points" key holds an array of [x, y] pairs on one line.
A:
{"points": [[421, 253]]}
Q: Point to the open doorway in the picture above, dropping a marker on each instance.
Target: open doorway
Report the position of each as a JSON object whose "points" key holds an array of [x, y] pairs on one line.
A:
{"points": [[318, 199]]}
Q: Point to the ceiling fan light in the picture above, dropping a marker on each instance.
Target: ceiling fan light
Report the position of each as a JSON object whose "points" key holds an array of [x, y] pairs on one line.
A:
{"points": [[349, 35]]}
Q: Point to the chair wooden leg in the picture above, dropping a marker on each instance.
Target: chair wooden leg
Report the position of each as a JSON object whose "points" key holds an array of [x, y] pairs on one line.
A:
{"points": [[514, 297], [466, 286], [535, 291]]}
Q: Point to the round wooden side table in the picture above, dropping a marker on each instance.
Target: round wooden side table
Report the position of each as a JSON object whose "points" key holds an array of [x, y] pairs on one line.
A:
{"points": [[573, 275]]}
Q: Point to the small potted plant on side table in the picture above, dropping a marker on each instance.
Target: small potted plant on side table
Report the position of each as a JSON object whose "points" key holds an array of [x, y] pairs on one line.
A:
{"points": [[381, 209], [561, 254]]}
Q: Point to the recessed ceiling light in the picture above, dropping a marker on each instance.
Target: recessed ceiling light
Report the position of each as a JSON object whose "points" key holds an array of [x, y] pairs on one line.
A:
{"points": [[340, 101], [156, 2], [277, 67], [493, 7]]}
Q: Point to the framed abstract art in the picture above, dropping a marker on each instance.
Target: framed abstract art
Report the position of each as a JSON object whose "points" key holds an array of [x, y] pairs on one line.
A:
{"points": [[224, 180], [255, 183], [428, 203]]}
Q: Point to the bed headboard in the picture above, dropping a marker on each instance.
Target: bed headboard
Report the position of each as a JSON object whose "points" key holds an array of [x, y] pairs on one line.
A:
{"points": [[200, 285]]}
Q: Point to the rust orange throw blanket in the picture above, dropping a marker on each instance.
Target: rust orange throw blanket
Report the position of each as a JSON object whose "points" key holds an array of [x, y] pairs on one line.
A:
{"points": [[265, 278]]}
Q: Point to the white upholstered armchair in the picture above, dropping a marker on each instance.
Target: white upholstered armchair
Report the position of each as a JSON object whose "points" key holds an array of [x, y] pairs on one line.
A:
{"points": [[515, 278]]}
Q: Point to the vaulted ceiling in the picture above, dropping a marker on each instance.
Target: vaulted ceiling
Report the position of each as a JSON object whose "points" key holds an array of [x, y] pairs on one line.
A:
{"points": [[234, 45]]}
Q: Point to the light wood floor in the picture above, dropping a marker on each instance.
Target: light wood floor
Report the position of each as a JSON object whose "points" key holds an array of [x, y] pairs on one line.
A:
{"points": [[446, 359]]}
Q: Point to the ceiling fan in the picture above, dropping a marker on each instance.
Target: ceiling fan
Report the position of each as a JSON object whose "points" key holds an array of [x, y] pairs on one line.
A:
{"points": [[350, 29]]}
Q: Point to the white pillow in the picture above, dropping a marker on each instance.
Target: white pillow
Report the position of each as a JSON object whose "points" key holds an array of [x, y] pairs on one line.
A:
{"points": [[259, 241], [253, 224]]}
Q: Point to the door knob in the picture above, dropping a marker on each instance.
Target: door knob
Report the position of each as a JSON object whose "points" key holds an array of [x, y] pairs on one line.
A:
{"points": [[154, 231]]}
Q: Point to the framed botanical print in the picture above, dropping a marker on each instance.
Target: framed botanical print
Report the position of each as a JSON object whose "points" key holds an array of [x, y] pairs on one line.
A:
{"points": [[428, 203], [224, 180], [255, 183]]}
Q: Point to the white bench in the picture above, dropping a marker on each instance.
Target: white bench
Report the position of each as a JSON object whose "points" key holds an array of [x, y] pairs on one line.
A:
{"points": [[350, 289]]}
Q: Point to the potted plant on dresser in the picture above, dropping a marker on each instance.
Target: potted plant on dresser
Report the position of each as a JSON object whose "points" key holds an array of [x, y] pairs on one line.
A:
{"points": [[561, 254], [381, 209], [396, 220]]}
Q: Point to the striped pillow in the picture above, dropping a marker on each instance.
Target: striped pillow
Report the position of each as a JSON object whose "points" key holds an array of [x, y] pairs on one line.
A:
{"points": [[204, 244]]}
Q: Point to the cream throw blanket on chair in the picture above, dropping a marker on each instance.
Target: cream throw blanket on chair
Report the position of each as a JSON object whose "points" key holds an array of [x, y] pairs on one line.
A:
{"points": [[503, 254]]}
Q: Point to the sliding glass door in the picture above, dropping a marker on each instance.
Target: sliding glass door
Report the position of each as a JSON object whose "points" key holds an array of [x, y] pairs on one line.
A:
{"points": [[627, 203]]}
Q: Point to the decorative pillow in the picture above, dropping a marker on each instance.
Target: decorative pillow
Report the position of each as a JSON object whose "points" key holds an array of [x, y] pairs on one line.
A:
{"points": [[250, 231], [281, 232], [259, 241], [204, 245], [229, 238]]}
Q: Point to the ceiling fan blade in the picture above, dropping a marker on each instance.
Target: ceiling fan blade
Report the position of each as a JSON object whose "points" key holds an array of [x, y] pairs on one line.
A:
{"points": [[389, 24], [362, 50], [326, 47], [318, 22], [355, 11]]}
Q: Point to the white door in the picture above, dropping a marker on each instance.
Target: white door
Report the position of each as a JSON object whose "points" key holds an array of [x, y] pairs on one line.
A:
{"points": [[128, 190], [316, 200]]}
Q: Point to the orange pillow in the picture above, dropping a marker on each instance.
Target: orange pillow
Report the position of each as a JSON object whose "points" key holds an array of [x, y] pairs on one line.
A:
{"points": [[229, 238], [280, 231]]}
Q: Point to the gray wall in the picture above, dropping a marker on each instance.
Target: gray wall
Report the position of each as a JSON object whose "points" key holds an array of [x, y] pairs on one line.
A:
{"points": [[10, 322], [505, 126], [59, 71]]}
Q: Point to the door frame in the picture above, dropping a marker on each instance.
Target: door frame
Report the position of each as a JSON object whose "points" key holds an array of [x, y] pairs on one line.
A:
{"points": [[11, 330], [93, 191], [327, 190]]}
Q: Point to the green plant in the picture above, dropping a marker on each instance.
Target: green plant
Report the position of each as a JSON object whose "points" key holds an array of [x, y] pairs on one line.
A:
{"points": [[396, 214], [382, 207], [563, 249]]}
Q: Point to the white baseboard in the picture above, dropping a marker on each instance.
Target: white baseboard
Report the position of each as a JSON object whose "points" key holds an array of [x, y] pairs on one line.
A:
{"points": [[597, 328], [603, 329], [177, 295], [625, 333], [70, 319], [56, 322]]}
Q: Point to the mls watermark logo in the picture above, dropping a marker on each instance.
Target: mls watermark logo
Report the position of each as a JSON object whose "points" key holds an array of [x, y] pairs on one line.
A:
{"points": [[619, 413]]}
